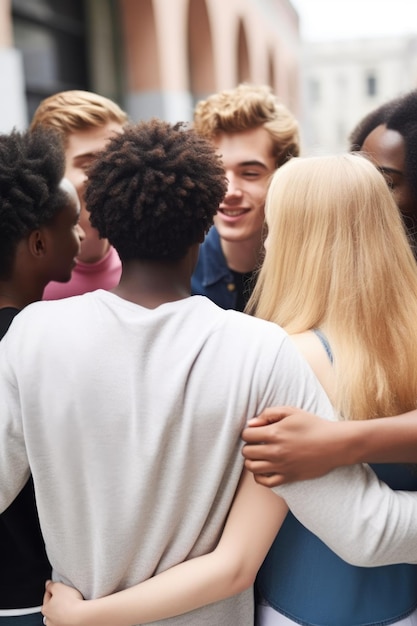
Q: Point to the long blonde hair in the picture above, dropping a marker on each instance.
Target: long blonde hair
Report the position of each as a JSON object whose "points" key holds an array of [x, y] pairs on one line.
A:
{"points": [[337, 256]]}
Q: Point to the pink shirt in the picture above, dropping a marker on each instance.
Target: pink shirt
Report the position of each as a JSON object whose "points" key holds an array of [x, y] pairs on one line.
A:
{"points": [[105, 274]]}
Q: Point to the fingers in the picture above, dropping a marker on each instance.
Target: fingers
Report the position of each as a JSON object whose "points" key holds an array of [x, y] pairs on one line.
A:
{"points": [[257, 435], [263, 450], [46, 597], [273, 480], [272, 414], [49, 585], [264, 474], [261, 467]]}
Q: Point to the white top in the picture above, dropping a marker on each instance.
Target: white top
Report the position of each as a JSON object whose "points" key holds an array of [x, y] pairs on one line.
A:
{"points": [[129, 420]]}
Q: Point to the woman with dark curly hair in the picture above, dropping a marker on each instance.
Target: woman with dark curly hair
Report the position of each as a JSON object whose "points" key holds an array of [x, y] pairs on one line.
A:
{"points": [[388, 138], [39, 240], [144, 434]]}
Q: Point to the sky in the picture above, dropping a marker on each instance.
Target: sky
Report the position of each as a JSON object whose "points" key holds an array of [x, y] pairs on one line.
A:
{"points": [[351, 19]]}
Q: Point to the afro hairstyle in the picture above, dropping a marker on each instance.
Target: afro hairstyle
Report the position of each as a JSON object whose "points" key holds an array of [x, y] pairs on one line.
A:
{"points": [[32, 165], [154, 190]]}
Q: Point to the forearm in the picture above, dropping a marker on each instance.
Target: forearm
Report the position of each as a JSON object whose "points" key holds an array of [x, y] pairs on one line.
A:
{"points": [[383, 440], [181, 589]]}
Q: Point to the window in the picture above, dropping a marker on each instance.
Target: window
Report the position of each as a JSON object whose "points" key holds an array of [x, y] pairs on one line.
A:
{"points": [[51, 36], [371, 85]]}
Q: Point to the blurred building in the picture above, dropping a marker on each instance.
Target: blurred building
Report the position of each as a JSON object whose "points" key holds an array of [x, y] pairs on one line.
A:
{"points": [[344, 80], [153, 57]]}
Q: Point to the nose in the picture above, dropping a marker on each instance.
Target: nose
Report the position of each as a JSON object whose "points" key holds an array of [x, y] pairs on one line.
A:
{"points": [[233, 187]]}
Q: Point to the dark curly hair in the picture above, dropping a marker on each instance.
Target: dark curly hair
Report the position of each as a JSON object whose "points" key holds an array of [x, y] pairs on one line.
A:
{"points": [[369, 123], [403, 119], [154, 190], [32, 165], [399, 114]]}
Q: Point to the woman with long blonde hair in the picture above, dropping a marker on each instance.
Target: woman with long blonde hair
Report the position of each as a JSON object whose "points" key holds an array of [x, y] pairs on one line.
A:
{"points": [[340, 277]]}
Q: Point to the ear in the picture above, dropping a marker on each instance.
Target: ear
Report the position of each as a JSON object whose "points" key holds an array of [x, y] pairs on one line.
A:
{"points": [[36, 243]]}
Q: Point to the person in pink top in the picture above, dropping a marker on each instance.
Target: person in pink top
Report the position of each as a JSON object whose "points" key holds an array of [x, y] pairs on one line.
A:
{"points": [[86, 121], [88, 276]]}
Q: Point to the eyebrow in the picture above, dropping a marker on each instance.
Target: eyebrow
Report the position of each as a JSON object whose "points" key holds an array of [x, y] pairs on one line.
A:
{"points": [[252, 164], [85, 155], [390, 170]]}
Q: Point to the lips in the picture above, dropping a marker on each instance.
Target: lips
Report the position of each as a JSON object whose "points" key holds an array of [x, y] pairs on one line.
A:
{"points": [[233, 212]]}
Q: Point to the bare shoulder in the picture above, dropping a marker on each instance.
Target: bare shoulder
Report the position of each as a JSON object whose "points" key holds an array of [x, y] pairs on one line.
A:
{"points": [[313, 351]]}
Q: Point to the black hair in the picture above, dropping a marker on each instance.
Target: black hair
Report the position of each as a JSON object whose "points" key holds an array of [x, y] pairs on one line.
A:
{"points": [[154, 190], [32, 165], [375, 118], [403, 119]]}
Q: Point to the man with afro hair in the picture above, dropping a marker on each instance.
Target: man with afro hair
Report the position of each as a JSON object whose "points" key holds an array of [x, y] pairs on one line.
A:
{"points": [[39, 240], [132, 425]]}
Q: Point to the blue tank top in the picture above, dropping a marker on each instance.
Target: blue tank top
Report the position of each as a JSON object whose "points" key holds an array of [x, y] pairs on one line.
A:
{"points": [[304, 580]]}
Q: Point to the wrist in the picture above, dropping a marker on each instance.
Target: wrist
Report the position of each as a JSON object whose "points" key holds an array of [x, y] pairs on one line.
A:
{"points": [[347, 443], [354, 445], [87, 613]]}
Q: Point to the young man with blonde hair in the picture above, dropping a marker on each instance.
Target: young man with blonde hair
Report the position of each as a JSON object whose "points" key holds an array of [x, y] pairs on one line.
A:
{"points": [[254, 133], [86, 121]]}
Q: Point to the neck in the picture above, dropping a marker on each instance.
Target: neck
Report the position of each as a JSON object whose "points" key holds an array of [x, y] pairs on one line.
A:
{"points": [[243, 256], [17, 295], [151, 283]]}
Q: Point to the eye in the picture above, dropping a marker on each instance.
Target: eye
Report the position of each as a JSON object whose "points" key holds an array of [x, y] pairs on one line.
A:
{"points": [[389, 181], [85, 163], [251, 174]]}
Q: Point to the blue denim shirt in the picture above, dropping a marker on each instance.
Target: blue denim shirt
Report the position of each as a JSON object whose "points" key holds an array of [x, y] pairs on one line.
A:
{"points": [[212, 277]]}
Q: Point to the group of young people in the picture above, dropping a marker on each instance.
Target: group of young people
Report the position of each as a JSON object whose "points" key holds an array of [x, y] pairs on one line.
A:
{"points": [[127, 405]]}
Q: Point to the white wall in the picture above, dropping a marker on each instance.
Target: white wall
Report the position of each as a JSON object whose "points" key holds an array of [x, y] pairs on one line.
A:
{"points": [[340, 70]]}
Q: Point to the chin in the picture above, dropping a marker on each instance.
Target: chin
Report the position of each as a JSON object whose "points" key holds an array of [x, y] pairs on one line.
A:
{"points": [[63, 279]]}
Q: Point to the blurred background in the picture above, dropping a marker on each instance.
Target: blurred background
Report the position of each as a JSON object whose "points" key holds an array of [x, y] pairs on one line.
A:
{"points": [[329, 61]]}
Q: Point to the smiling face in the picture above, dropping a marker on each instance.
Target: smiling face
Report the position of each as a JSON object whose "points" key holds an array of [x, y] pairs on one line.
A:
{"points": [[249, 164], [81, 149]]}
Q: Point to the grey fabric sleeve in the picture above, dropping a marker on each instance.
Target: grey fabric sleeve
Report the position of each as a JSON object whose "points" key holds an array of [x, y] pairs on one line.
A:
{"points": [[358, 516]]}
